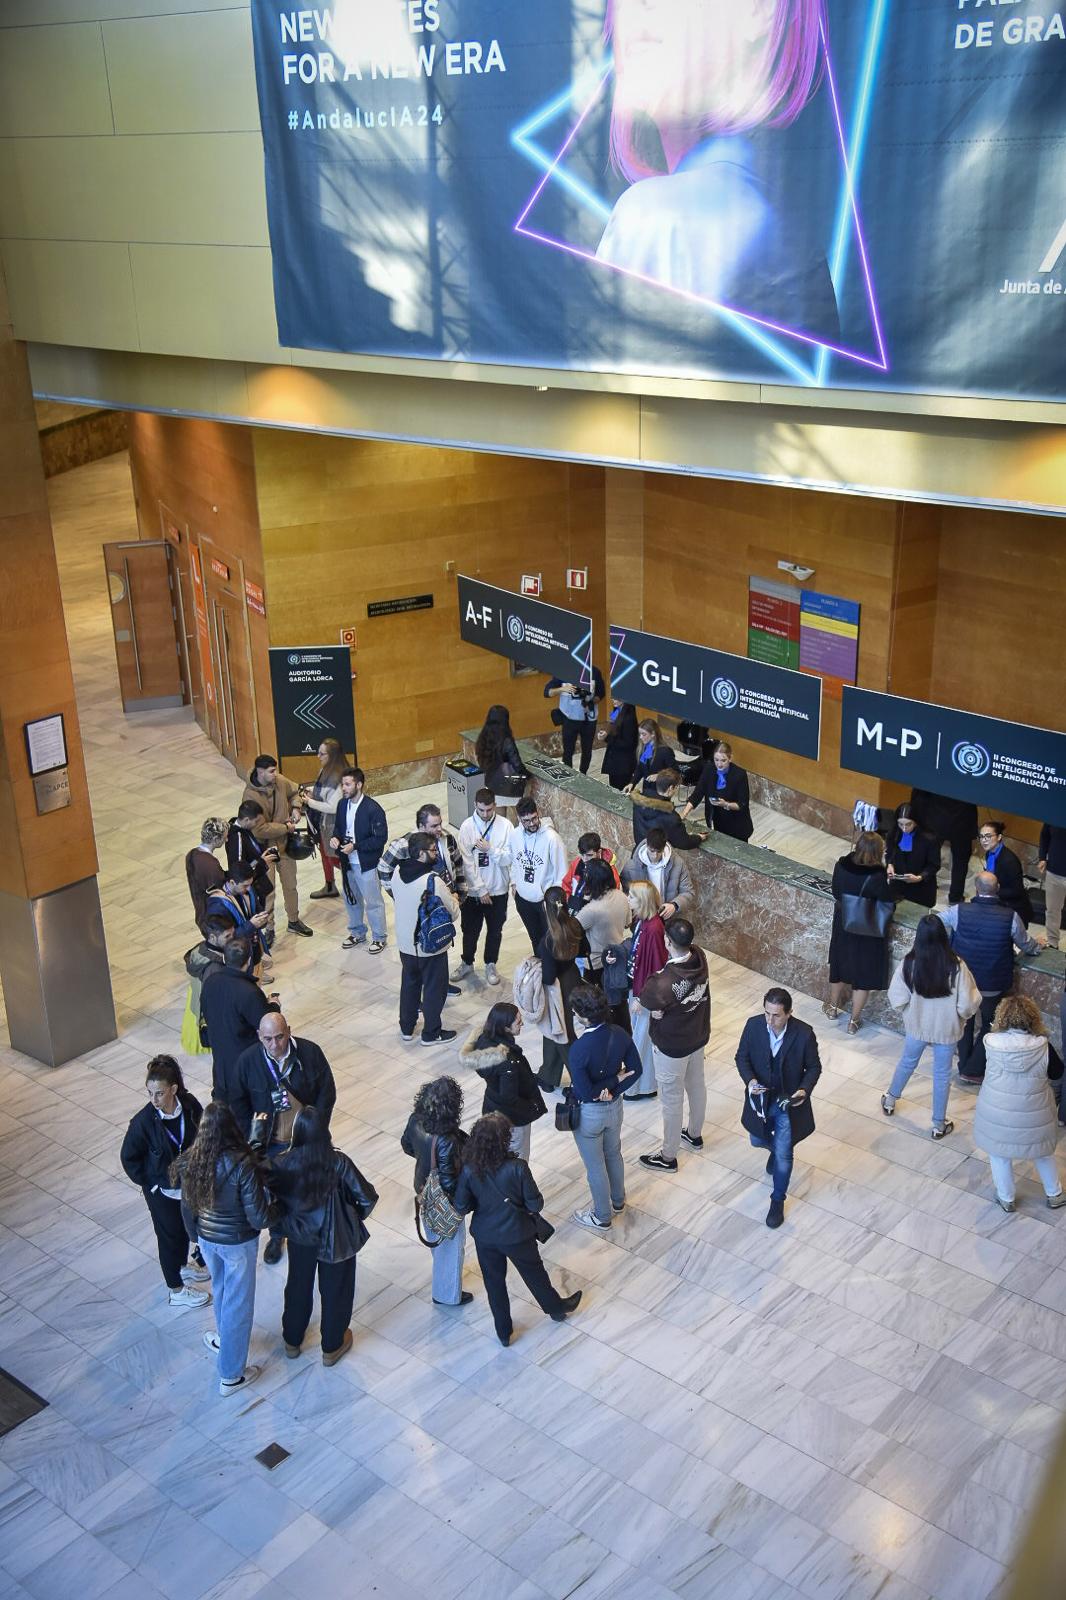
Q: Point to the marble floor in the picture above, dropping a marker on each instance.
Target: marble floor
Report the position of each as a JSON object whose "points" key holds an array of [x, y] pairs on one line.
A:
{"points": [[859, 1405]]}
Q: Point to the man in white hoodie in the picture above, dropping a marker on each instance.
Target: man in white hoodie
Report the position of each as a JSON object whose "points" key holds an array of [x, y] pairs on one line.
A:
{"points": [[485, 846], [424, 978], [658, 863], [538, 862]]}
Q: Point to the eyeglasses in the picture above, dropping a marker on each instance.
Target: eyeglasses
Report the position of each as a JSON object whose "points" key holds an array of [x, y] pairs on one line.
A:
{"points": [[988, 838]]}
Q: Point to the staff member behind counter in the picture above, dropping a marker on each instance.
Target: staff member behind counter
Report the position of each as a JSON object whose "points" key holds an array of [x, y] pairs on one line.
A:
{"points": [[723, 788], [577, 708]]}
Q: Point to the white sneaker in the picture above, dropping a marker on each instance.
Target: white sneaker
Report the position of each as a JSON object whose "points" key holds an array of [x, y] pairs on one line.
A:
{"points": [[463, 970], [194, 1274], [248, 1376], [491, 975], [588, 1219], [189, 1297], [211, 1342]]}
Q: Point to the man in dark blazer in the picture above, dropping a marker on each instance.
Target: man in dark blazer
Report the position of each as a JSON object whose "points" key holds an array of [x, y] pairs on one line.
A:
{"points": [[777, 1057], [232, 1005]]}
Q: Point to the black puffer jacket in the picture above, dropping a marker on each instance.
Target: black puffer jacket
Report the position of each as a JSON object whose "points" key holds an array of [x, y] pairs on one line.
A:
{"points": [[450, 1146], [240, 1209], [510, 1085], [335, 1228], [147, 1151]]}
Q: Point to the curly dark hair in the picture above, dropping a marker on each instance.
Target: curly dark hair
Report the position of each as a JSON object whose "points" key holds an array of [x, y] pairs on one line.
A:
{"points": [[196, 1170], [590, 1004], [599, 879], [439, 1105], [489, 1145]]}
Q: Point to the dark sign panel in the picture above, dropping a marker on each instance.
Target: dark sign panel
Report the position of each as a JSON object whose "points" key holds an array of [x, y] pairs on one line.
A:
{"points": [[728, 693], [406, 602], [1004, 766], [530, 632], [312, 698]]}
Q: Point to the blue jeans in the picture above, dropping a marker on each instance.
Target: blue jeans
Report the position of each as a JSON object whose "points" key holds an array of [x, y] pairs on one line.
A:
{"points": [[366, 903], [640, 1022], [599, 1140], [448, 1266], [913, 1050], [778, 1141], [232, 1269]]}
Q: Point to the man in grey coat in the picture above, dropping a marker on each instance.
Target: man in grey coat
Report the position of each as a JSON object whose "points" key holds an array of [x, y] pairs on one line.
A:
{"points": [[656, 862]]}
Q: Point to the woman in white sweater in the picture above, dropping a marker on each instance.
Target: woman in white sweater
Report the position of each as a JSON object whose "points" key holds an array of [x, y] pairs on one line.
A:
{"points": [[1016, 1118], [936, 993]]}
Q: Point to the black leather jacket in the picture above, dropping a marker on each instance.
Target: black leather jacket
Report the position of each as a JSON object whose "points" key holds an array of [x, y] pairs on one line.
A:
{"points": [[334, 1228], [418, 1143], [240, 1208]]}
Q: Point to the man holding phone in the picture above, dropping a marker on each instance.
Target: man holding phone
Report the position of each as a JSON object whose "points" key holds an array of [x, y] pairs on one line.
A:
{"points": [[777, 1058]]}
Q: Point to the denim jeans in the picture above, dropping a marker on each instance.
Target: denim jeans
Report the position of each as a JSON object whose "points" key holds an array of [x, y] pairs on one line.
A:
{"points": [[448, 1266], [640, 1021], [779, 1142], [232, 1269], [678, 1076], [913, 1050], [520, 1138], [366, 903], [598, 1136], [1003, 1175]]}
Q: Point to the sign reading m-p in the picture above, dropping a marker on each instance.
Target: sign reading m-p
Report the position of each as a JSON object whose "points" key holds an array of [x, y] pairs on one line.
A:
{"points": [[527, 631], [1002, 766]]}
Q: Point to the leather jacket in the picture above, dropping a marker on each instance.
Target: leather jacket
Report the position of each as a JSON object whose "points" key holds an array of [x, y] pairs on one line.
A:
{"points": [[418, 1143], [335, 1227], [240, 1209]]}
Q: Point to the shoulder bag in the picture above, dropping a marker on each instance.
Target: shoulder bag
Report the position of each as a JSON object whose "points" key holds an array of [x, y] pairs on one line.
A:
{"points": [[864, 916], [433, 1209], [567, 1112], [542, 1228]]}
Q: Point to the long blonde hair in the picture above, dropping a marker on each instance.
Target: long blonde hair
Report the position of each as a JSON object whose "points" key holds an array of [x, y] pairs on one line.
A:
{"points": [[647, 897]]}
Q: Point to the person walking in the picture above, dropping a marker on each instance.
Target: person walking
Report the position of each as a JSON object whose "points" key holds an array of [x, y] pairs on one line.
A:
{"points": [[538, 862], [778, 1060], [620, 745], [647, 954], [358, 836], [437, 1143], [723, 788], [203, 870], [324, 1201], [225, 1206], [1052, 864], [498, 1187], [496, 753], [1015, 1117], [485, 846], [858, 944], [321, 805], [1001, 859], [679, 1001], [935, 993], [604, 1062], [558, 952], [282, 806], [424, 973], [984, 933], [510, 1087], [232, 1005], [912, 860], [163, 1130]]}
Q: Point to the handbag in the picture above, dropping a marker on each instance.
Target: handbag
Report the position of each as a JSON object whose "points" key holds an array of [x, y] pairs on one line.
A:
{"points": [[433, 1209], [867, 918], [567, 1112], [542, 1228]]}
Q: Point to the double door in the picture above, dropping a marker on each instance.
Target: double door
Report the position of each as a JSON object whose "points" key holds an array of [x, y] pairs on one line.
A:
{"points": [[145, 620]]}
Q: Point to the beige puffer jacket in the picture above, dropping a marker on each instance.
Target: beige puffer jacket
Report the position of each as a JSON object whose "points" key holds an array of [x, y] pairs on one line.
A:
{"points": [[1016, 1114]]}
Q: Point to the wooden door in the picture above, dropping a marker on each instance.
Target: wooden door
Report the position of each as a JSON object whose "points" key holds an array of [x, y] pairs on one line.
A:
{"points": [[142, 617], [237, 726]]}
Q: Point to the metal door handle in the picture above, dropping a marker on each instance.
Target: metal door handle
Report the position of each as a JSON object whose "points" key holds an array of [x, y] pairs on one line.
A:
{"points": [[133, 623]]}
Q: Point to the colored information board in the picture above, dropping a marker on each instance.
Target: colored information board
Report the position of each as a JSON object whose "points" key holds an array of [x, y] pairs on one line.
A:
{"points": [[530, 632], [829, 639], [773, 623]]}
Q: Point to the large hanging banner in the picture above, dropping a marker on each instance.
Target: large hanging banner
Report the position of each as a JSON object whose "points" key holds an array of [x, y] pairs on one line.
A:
{"points": [[529, 632], [1007, 767], [732, 694], [862, 194]]}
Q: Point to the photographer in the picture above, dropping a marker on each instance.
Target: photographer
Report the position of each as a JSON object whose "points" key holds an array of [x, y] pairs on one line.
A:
{"points": [[777, 1057], [281, 805], [577, 714]]}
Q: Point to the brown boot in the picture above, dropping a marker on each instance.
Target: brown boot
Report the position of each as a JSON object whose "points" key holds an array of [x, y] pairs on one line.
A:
{"points": [[333, 1356]]}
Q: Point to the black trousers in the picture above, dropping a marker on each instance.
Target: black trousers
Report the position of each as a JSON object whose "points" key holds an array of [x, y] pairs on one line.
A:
{"points": [[473, 916], [618, 780], [336, 1286], [534, 919], [971, 1055], [960, 866], [171, 1239], [423, 982], [525, 1258], [572, 732]]}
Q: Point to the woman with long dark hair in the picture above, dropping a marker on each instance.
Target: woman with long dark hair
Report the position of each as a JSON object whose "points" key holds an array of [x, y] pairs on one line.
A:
{"points": [[225, 1206], [436, 1141], [935, 992], [324, 1201], [558, 951], [155, 1137], [321, 803], [620, 744], [857, 960], [498, 1187], [510, 1087], [912, 859], [497, 755]]}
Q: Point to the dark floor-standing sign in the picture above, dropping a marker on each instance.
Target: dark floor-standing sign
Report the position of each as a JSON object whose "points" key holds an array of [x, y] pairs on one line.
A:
{"points": [[731, 694], [1002, 766], [312, 698], [529, 632]]}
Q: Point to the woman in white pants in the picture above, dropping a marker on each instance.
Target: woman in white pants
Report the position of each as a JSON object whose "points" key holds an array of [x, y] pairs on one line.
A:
{"points": [[1016, 1119]]}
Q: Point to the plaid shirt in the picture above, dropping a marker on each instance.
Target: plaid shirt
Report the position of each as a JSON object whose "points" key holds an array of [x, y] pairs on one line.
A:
{"points": [[454, 875]]}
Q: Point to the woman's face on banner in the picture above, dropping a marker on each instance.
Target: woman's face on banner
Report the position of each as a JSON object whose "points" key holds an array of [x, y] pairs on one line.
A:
{"points": [[682, 62]]}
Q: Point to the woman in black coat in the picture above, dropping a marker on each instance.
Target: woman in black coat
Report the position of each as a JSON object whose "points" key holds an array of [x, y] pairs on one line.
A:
{"points": [[912, 860], [436, 1141], [857, 961], [498, 1187], [1000, 859], [620, 749], [510, 1086], [155, 1137], [723, 788], [654, 755], [323, 1201], [497, 755], [558, 953]]}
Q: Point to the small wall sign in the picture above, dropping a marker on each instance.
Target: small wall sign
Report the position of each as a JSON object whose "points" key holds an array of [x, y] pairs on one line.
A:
{"points": [[407, 602], [577, 577]]}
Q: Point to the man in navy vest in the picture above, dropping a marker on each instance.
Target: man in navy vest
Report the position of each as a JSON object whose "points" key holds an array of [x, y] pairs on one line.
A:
{"points": [[984, 933]]}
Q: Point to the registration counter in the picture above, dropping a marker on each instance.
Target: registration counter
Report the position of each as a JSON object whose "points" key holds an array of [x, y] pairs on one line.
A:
{"points": [[753, 906]]}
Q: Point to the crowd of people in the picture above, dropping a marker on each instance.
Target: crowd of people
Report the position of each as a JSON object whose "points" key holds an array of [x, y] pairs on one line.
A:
{"points": [[615, 987]]}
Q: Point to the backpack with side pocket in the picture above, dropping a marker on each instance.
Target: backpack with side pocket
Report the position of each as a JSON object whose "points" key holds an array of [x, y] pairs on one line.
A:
{"points": [[434, 928]]}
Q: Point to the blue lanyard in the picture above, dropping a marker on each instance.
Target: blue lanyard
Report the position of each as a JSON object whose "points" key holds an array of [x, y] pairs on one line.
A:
{"points": [[180, 1140]]}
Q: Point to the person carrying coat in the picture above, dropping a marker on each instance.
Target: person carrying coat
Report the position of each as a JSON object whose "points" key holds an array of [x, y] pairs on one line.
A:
{"points": [[498, 1187], [777, 1058], [232, 1005], [163, 1130], [510, 1086], [935, 992], [323, 1202], [1015, 1119]]}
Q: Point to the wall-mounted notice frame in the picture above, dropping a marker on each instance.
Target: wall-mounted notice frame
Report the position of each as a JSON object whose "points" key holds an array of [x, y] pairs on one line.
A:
{"points": [[46, 744]]}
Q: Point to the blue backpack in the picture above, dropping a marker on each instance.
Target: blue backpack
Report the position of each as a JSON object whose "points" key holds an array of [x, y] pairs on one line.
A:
{"points": [[434, 928]]}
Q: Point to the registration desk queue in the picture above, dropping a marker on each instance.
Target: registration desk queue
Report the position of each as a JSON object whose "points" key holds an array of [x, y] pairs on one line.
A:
{"points": [[753, 906]]}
